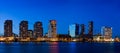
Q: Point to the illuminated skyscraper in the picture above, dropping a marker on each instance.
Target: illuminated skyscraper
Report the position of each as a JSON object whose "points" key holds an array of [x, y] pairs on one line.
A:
{"points": [[107, 32], [82, 31], [74, 30], [38, 29], [8, 28], [52, 29], [90, 28], [23, 29]]}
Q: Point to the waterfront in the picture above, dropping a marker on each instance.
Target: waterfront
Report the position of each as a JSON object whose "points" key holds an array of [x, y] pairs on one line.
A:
{"points": [[59, 47]]}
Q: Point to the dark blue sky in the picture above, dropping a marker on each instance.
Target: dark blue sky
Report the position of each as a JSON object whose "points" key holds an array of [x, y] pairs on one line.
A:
{"points": [[66, 12]]}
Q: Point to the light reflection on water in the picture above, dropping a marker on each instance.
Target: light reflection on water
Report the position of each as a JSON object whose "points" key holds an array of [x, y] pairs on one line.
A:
{"points": [[72, 47], [58, 47], [53, 47]]}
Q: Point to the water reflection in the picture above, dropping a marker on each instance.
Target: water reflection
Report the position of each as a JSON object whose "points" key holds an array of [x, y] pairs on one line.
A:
{"points": [[58, 47], [8, 47], [72, 46], [53, 47]]}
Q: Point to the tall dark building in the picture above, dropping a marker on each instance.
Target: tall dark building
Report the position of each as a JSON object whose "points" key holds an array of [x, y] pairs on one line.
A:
{"points": [[38, 29], [8, 28], [90, 28], [52, 29], [77, 29], [82, 31], [23, 29]]}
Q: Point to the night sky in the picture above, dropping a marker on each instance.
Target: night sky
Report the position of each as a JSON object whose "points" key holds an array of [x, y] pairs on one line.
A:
{"points": [[66, 12]]}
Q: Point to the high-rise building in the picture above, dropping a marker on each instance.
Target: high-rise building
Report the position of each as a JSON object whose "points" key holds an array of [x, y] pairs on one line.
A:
{"points": [[52, 29], [82, 31], [106, 32], [74, 30], [8, 28], [23, 29], [30, 33], [38, 29], [90, 28]]}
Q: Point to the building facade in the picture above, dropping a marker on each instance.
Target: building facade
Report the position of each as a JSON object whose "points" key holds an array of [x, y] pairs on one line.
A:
{"points": [[90, 30], [23, 29], [52, 32], [30, 33], [106, 32], [82, 31], [8, 28], [74, 30], [38, 29]]}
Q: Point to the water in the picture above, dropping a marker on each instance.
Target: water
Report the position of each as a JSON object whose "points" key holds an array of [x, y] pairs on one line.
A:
{"points": [[59, 47]]}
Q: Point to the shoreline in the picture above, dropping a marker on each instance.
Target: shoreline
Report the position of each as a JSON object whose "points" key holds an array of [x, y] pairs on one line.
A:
{"points": [[61, 41]]}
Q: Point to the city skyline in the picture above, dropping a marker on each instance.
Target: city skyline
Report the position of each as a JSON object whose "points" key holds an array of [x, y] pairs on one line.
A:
{"points": [[73, 29], [39, 24], [66, 12], [76, 32]]}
